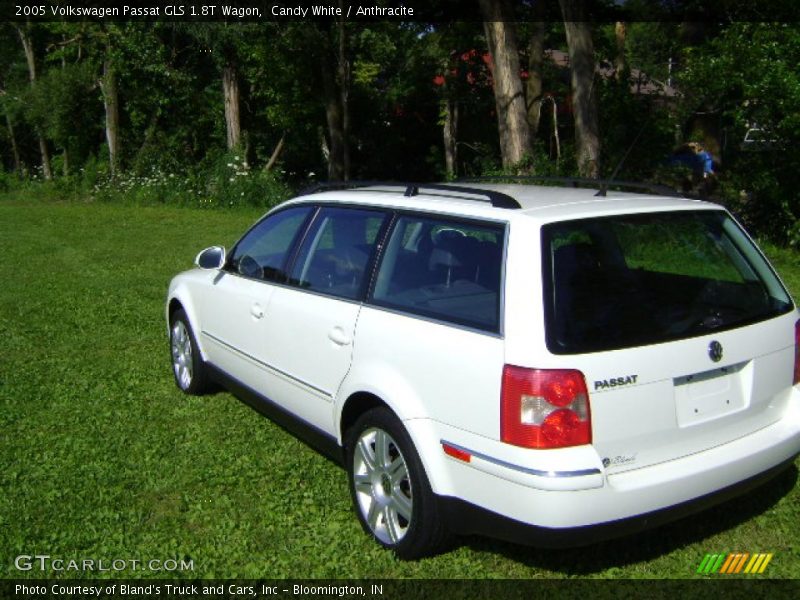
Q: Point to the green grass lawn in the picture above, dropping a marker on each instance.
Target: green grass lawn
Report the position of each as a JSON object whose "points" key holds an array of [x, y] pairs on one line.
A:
{"points": [[101, 457]]}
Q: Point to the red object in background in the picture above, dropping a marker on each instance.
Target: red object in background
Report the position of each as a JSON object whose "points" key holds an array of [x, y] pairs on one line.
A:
{"points": [[471, 72]]}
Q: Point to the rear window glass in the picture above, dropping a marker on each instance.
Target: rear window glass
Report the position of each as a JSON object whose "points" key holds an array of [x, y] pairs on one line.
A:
{"points": [[629, 280], [443, 269]]}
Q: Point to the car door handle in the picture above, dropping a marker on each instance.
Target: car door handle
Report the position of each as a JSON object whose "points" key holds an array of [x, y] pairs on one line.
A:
{"points": [[256, 310], [338, 336]]}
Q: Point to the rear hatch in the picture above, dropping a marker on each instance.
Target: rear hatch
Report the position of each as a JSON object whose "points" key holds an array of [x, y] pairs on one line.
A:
{"points": [[683, 331]]}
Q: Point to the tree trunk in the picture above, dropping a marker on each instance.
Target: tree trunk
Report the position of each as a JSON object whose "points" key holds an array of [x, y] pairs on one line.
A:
{"points": [[451, 137], [108, 85], [533, 88], [584, 101], [14, 147], [512, 122], [230, 88], [620, 63], [27, 46], [332, 101], [275, 154], [333, 115], [344, 88]]}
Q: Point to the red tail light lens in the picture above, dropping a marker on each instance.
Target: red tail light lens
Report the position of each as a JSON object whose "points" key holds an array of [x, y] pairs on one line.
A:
{"points": [[796, 379], [544, 408]]}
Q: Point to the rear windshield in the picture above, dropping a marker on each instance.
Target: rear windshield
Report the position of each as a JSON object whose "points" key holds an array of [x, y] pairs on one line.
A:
{"points": [[623, 281]]}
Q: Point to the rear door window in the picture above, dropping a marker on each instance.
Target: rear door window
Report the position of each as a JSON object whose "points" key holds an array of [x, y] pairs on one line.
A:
{"points": [[618, 282], [443, 269], [337, 250]]}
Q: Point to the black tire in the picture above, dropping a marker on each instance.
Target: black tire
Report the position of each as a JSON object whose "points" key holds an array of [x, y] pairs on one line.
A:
{"points": [[389, 488], [188, 368]]}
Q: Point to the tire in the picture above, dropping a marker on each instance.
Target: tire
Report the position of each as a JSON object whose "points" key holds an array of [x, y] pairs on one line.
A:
{"points": [[391, 493], [188, 368]]}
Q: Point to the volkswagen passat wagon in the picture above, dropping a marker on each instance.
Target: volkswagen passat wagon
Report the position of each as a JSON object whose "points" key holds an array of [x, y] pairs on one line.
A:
{"points": [[540, 364]]}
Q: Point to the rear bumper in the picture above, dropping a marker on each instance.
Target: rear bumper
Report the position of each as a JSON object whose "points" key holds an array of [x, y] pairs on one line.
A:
{"points": [[543, 492], [467, 519]]}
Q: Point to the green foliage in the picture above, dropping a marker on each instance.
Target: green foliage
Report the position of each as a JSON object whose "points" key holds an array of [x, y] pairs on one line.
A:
{"points": [[74, 117], [637, 130], [537, 164], [226, 181], [232, 182], [733, 79], [747, 77], [7, 181]]}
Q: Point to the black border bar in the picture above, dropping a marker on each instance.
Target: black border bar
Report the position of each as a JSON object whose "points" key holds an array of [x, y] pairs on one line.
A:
{"points": [[426, 11]]}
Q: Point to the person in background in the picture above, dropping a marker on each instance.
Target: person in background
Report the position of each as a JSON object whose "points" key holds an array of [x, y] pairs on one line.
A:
{"points": [[696, 158], [705, 162]]}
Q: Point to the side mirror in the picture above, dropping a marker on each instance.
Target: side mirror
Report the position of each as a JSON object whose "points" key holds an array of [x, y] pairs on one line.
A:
{"points": [[211, 258]]}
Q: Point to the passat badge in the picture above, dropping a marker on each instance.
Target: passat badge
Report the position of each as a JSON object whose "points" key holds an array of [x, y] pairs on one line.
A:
{"points": [[715, 351]]}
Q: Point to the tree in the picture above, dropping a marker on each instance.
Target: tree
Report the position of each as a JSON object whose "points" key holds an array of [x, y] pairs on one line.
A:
{"points": [[335, 109], [620, 61], [108, 85], [70, 122], [515, 142], [584, 99], [461, 78], [8, 97], [24, 31], [534, 85], [230, 91], [103, 39], [746, 80], [224, 42], [334, 72]]}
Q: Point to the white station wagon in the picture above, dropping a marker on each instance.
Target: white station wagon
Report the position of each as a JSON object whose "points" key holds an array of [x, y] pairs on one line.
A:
{"points": [[541, 364]]}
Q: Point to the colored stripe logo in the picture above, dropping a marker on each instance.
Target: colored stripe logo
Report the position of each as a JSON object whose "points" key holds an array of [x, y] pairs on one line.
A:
{"points": [[734, 562]]}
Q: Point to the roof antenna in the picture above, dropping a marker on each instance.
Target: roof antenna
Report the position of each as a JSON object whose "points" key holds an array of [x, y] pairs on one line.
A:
{"points": [[604, 186]]}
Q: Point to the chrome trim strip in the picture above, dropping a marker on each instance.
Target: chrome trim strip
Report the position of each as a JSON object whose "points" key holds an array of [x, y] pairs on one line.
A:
{"points": [[508, 465], [268, 366]]}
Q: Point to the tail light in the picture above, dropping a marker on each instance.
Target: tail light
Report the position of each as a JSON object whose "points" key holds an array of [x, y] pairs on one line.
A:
{"points": [[796, 379], [542, 408]]}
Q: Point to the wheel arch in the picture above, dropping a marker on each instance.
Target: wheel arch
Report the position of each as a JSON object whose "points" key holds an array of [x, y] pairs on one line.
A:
{"points": [[177, 301], [398, 397], [374, 383], [356, 405], [173, 306]]}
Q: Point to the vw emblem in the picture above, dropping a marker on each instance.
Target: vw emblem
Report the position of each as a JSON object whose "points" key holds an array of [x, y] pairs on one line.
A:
{"points": [[715, 351]]}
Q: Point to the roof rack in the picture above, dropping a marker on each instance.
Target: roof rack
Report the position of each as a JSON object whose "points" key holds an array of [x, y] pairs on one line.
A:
{"points": [[602, 185], [496, 199]]}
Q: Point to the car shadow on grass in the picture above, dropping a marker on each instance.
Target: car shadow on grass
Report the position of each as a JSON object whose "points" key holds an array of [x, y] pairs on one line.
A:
{"points": [[650, 544]]}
